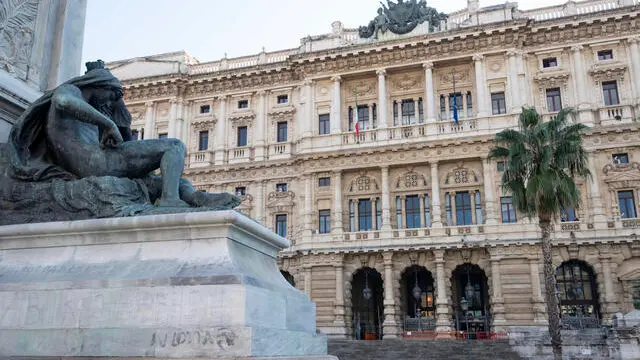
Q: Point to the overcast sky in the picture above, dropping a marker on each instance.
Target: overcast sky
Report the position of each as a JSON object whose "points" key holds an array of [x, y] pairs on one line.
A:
{"points": [[207, 29]]}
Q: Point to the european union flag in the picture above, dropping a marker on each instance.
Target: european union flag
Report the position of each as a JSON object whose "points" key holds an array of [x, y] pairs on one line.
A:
{"points": [[455, 98]]}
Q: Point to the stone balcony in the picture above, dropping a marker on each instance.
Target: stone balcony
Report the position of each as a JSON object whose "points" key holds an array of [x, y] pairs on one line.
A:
{"points": [[281, 150], [240, 155], [200, 159], [615, 115]]}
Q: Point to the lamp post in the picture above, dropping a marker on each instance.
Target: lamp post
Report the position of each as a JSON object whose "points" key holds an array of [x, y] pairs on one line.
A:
{"points": [[417, 293], [464, 305]]}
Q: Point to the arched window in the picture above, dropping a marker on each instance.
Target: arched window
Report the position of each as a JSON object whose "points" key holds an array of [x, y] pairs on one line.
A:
{"points": [[577, 291]]}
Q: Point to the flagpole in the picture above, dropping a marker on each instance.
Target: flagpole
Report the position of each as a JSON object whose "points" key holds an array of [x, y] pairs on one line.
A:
{"points": [[455, 97], [357, 127]]}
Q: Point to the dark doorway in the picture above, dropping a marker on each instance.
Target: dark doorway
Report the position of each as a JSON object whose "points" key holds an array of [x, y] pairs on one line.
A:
{"points": [[469, 284], [577, 291], [367, 305], [418, 299]]}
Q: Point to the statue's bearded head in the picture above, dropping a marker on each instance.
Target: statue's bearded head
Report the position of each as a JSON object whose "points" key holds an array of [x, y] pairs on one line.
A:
{"points": [[108, 101]]}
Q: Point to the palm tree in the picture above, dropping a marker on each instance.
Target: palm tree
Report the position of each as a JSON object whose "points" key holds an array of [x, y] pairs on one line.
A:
{"points": [[541, 161]]}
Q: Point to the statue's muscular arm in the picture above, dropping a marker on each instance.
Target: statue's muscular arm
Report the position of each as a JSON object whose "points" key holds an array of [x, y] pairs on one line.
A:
{"points": [[68, 99]]}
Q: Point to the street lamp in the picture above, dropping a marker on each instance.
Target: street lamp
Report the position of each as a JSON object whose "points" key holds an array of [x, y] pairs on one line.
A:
{"points": [[417, 293], [464, 305]]}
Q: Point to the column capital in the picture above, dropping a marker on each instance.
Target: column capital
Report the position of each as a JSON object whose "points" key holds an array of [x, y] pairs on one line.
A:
{"points": [[439, 255], [222, 97], [478, 57], [384, 167], [387, 256], [427, 65], [149, 103], [337, 172], [381, 72], [307, 82], [433, 163], [576, 48], [633, 40], [172, 101], [336, 78], [512, 52], [262, 92]]}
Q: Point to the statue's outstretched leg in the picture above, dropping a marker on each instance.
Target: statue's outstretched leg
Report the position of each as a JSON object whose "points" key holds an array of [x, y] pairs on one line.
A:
{"points": [[171, 166], [219, 201]]}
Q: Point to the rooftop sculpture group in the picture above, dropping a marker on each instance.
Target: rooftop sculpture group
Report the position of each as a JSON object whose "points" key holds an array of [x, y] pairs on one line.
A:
{"points": [[71, 156], [401, 18]]}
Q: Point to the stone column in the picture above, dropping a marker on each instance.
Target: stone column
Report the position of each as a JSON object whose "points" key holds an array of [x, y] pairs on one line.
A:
{"points": [[307, 279], [337, 203], [423, 222], [389, 325], [260, 128], [260, 201], [386, 205], [339, 305], [308, 109], [598, 218], [610, 305], [481, 85], [374, 214], [513, 82], [221, 132], [539, 308], [173, 113], [383, 112], [443, 321], [149, 121], [336, 106], [578, 68], [489, 201], [436, 211], [497, 300], [634, 53], [308, 205], [429, 103]]}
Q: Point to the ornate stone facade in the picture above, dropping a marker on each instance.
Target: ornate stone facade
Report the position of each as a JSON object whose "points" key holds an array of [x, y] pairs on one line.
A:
{"points": [[412, 200]]}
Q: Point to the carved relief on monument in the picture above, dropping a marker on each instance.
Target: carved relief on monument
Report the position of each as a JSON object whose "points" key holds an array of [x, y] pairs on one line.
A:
{"points": [[17, 25], [461, 176], [463, 75], [407, 82], [365, 88]]}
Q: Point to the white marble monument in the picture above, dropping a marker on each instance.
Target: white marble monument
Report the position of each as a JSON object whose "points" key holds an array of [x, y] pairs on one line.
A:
{"points": [[177, 286]]}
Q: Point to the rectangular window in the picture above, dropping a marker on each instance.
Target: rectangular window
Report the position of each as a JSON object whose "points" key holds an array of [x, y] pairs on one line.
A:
{"points": [[568, 214], [205, 109], [500, 165], [463, 208], [324, 221], [283, 99], [163, 136], [498, 104], [241, 191], [408, 112], [610, 93], [605, 54], [281, 187], [324, 181], [135, 134], [554, 101], [621, 158], [324, 124], [412, 211], [281, 225], [395, 113], [549, 62], [363, 117], [352, 216], [243, 104], [627, 204], [459, 105], [378, 214], [398, 212], [282, 131], [203, 140], [508, 211], [365, 222], [242, 136]]}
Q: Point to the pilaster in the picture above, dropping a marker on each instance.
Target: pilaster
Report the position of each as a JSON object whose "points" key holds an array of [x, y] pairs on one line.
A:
{"points": [[336, 106], [435, 197], [149, 121], [260, 134], [443, 316], [390, 326], [386, 205], [221, 132]]}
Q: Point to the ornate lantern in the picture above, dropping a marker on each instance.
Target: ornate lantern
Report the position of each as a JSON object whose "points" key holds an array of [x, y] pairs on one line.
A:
{"points": [[366, 292], [416, 292]]}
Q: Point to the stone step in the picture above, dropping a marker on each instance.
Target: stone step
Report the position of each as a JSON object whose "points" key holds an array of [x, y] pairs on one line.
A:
{"points": [[398, 349]]}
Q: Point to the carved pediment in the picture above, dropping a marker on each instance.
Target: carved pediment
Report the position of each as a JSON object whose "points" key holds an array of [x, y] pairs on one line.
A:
{"points": [[407, 82], [282, 113], [461, 176], [608, 71], [280, 199], [362, 87], [245, 203], [242, 118], [363, 184], [462, 75], [411, 181], [552, 78], [610, 170], [204, 122], [620, 176]]}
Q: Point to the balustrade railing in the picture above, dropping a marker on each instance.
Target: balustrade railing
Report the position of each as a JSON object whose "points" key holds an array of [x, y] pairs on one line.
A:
{"points": [[616, 114]]}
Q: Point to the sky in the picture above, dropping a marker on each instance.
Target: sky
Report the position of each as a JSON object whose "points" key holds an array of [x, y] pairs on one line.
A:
{"points": [[207, 29]]}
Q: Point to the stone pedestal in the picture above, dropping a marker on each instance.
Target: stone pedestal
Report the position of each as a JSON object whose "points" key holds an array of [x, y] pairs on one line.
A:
{"points": [[178, 285]]}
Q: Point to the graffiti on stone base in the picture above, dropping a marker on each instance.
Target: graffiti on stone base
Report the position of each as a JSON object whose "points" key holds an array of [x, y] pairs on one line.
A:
{"points": [[222, 338]]}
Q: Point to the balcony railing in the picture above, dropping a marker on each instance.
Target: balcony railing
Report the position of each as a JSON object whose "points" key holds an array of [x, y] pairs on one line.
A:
{"points": [[238, 155], [279, 150], [617, 114], [200, 159]]}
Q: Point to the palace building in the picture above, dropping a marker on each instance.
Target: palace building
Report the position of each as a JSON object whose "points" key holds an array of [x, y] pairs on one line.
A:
{"points": [[398, 224]]}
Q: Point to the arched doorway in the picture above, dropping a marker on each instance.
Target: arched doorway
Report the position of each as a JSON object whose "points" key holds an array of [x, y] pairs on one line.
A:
{"points": [[578, 294], [470, 294], [287, 275], [367, 305], [417, 299]]}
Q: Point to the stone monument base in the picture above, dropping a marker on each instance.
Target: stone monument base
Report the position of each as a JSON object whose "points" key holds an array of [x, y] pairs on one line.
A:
{"points": [[193, 285]]}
